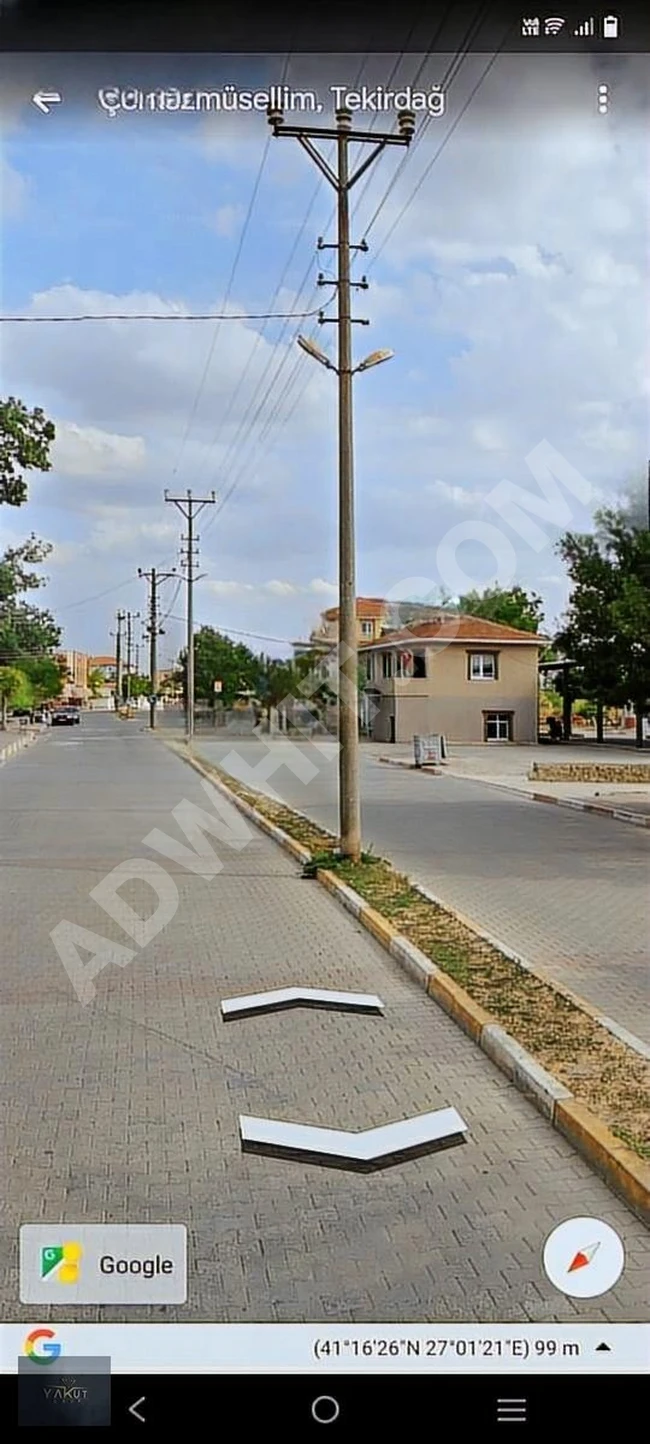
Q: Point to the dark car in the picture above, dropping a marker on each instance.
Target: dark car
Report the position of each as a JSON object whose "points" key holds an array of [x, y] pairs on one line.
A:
{"points": [[65, 717]]}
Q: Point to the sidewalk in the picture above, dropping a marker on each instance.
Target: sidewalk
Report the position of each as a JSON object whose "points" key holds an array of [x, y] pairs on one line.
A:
{"points": [[509, 768], [145, 1086]]}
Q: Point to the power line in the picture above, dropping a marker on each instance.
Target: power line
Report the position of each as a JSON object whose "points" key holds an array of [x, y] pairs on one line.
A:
{"points": [[161, 316], [246, 426], [450, 75], [229, 287], [399, 218]]}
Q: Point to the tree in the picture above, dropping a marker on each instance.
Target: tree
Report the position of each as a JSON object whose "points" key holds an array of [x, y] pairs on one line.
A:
{"points": [[607, 627], [95, 681], [217, 658], [25, 440], [14, 691], [513, 607], [46, 677]]}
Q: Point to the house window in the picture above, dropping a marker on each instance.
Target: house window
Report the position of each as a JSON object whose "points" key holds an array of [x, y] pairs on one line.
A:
{"points": [[483, 667], [419, 664], [388, 664], [366, 629], [372, 667], [497, 726]]}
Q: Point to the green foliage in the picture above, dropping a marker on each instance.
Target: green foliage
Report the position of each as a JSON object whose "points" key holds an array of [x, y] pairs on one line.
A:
{"points": [[95, 681], [25, 440], [607, 627], [216, 658], [138, 686], [512, 607], [45, 676], [15, 691]]}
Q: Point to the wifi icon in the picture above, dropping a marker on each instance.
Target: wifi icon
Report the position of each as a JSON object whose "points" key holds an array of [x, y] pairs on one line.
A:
{"points": [[553, 26]]}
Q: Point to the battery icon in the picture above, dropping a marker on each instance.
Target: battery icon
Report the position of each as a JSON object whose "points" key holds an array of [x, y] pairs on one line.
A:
{"points": [[610, 27]]}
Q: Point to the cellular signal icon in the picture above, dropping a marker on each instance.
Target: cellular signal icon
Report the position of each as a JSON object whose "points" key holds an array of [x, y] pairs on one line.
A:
{"points": [[553, 26], [586, 30]]}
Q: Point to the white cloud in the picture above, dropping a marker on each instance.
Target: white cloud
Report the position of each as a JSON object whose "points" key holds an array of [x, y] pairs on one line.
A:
{"points": [[274, 588], [84, 451]]}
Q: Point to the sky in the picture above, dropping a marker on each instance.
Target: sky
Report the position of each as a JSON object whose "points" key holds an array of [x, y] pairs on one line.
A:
{"points": [[507, 270]]}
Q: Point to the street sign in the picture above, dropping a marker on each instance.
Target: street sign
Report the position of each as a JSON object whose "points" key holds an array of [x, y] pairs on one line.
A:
{"points": [[217, 686], [430, 751]]}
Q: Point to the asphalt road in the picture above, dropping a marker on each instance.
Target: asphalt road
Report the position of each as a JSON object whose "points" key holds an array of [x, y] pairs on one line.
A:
{"points": [[125, 1110], [567, 891]]}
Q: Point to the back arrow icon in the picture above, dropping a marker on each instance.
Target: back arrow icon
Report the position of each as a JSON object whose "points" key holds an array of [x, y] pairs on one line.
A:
{"points": [[46, 98], [134, 1409]]}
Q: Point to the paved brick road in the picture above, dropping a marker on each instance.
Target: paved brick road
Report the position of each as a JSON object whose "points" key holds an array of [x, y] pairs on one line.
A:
{"points": [[126, 1110], [568, 891]]}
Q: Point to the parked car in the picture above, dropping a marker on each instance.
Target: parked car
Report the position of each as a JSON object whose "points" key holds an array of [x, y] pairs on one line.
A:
{"points": [[65, 717]]}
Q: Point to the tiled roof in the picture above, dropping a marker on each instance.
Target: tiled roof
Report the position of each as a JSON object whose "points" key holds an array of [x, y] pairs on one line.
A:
{"points": [[102, 661], [367, 608], [458, 629]]}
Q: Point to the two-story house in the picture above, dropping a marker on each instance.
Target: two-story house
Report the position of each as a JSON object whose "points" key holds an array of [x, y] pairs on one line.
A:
{"points": [[466, 678]]}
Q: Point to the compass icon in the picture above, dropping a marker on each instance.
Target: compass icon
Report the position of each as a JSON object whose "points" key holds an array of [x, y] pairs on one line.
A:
{"points": [[583, 1258]]}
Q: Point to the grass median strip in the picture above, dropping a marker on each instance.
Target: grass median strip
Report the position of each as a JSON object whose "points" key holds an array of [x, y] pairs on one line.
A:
{"points": [[601, 1072]]}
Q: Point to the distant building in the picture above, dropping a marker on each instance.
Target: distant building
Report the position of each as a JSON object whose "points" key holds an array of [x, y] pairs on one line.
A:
{"points": [[107, 667], [464, 677], [75, 686]]}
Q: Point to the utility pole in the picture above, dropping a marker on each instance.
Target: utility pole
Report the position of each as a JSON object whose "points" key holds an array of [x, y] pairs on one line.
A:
{"points": [[190, 507], [342, 179], [154, 630], [118, 660], [131, 617]]}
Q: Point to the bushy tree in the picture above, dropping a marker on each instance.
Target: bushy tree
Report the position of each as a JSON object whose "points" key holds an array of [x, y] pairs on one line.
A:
{"points": [[25, 440], [511, 606]]}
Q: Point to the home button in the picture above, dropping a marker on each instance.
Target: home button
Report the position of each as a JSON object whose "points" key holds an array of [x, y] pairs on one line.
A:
{"points": [[325, 1409]]}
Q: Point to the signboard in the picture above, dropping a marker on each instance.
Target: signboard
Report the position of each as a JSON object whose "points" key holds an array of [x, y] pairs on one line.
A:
{"points": [[430, 751], [217, 686]]}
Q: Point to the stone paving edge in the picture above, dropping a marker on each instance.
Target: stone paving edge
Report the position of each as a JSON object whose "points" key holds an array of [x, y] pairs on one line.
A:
{"points": [[19, 745], [625, 1173]]}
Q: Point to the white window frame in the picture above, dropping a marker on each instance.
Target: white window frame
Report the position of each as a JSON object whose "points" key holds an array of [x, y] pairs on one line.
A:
{"points": [[499, 718], [387, 665], [366, 629], [482, 675]]}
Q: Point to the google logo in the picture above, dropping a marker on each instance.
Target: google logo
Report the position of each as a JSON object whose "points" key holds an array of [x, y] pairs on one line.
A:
{"points": [[40, 1351]]}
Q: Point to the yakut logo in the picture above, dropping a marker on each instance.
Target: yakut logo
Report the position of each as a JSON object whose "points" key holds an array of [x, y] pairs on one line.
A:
{"points": [[515, 505]]}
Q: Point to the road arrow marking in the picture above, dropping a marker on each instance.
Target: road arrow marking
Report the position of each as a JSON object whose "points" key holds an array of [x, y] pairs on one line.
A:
{"points": [[44, 99], [364, 1152], [253, 1003]]}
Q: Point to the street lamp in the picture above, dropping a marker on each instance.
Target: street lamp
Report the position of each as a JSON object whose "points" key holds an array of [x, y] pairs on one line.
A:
{"points": [[374, 359]]}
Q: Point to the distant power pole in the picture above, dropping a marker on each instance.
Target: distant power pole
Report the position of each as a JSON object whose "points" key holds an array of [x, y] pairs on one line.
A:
{"points": [[342, 177], [154, 630], [118, 659], [131, 617], [190, 507]]}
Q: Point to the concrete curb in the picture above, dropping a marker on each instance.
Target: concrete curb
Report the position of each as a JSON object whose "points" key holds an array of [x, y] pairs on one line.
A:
{"points": [[620, 814], [625, 1173], [19, 745]]}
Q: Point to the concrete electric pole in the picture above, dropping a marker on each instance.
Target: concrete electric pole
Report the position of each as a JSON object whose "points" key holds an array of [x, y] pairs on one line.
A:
{"points": [[190, 507], [154, 630], [342, 179]]}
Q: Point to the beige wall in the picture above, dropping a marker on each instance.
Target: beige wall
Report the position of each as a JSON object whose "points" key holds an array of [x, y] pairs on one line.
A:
{"points": [[447, 702]]}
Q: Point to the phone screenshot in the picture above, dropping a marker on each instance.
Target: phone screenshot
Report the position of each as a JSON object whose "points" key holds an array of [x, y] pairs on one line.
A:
{"points": [[324, 460]]}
